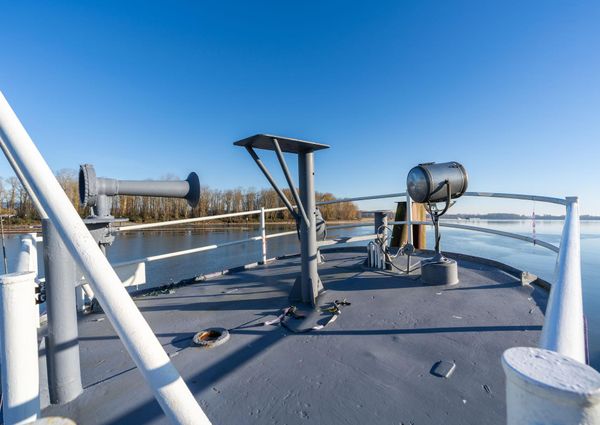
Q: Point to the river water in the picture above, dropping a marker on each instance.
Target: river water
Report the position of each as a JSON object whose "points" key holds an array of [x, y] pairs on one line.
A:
{"points": [[522, 255]]}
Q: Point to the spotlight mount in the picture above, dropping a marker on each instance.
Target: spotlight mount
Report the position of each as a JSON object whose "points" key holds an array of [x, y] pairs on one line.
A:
{"points": [[430, 184]]}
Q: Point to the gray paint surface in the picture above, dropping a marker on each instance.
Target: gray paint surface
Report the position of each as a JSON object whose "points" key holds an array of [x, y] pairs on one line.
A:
{"points": [[287, 144], [372, 365], [61, 344]]}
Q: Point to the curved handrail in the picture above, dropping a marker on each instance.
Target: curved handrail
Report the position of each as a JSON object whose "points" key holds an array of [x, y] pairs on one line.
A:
{"points": [[556, 330], [564, 328], [518, 196], [522, 197], [518, 236]]}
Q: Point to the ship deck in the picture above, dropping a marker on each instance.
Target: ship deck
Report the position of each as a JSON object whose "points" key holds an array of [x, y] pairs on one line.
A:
{"points": [[372, 365]]}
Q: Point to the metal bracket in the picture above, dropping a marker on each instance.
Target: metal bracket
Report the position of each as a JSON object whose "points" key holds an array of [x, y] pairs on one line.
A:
{"points": [[102, 230], [272, 181], [288, 177]]}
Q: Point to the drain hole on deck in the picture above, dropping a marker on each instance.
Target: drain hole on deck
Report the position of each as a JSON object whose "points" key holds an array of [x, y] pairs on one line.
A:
{"points": [[212, 337]]}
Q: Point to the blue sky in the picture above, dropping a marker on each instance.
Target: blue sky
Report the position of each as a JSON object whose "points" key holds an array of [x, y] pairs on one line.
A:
{"points": [[143, 89]]}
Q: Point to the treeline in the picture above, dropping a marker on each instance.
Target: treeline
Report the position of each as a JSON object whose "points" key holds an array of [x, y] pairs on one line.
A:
{"points": [[15, 200]]}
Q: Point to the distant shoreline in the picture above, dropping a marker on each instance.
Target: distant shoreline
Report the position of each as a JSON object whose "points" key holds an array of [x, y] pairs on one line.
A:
{"points": [[37, 227], [11, 229]]}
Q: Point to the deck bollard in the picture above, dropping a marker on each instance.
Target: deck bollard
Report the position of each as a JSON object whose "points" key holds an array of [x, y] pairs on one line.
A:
{"points": [[19, 348], [62, 345], [544, 387]]}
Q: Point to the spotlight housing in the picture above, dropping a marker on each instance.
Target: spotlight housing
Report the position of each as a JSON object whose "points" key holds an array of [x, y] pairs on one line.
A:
{"points": [[427, 183]]}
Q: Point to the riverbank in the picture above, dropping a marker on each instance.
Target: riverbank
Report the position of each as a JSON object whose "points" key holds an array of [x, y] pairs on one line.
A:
{"points": [[37, 228]]}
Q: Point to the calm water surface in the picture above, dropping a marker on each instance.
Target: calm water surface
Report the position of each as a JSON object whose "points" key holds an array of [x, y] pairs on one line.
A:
{"points": [[516, 253]]}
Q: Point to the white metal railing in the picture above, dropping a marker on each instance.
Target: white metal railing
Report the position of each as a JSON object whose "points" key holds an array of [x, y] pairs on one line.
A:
{"points": [[567, 300], [262, 211], [164, 380], [263, 237], [563, 329], [512, 235]]}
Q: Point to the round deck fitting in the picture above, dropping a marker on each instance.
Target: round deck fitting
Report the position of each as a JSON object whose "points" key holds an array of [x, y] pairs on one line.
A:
{"points": [[439, 271], [211, 337]]}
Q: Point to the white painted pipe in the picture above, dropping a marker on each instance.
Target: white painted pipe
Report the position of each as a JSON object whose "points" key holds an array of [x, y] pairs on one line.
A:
{"points": [[27, 257], [27, 262], [23, 180], [263, 236], [546, 387], [194, 220], [564, 329], [19, 348], [409, 219], [170, 390]]}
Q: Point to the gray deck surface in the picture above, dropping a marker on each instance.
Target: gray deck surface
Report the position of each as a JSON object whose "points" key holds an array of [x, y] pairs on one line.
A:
{"points": [[371, 366]]}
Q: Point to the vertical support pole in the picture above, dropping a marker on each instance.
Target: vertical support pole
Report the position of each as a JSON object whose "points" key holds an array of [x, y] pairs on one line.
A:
{"points": [[563, 329], [409, 228], [263, 236], [310, 284], [62, 345], [544, 387], [3, 245], [19, 348], [27, 262], [380, 219], [33, 253], [33, 266]]}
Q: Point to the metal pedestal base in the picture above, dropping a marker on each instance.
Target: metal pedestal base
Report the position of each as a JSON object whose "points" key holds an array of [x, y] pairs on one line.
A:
{"points": [[439, 270], [296, 297]]}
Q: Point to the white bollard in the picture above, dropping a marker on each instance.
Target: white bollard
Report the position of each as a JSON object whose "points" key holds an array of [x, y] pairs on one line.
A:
{"points": [[546, 387], [19, 348]]}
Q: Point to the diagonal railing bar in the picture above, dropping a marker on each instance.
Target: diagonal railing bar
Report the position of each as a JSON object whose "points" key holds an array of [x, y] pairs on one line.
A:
{"points": [[168, 387]]}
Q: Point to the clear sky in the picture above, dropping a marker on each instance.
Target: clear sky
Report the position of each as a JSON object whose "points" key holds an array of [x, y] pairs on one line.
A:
{"points": [[143, 89]]}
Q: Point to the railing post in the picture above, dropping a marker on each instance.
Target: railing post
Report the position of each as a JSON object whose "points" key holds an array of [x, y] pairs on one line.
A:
{"points": [[546, 387], [19, 348], [409, 229], [27, 261], [380, 221], [263, 236], [168, 387], [563, 330], [62, 343], [27, 258]]}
